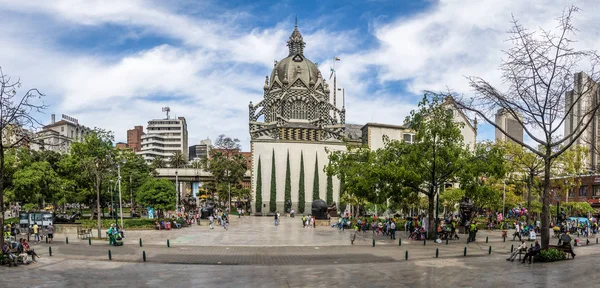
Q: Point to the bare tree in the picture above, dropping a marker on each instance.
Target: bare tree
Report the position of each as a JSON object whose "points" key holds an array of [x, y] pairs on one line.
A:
{"points": [[15, 118], [539, 74]]}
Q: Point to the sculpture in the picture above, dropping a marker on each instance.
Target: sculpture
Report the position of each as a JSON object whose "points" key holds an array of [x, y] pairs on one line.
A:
{"points": [[288, 206], [466, 211], [319, 209], [207, 209]]}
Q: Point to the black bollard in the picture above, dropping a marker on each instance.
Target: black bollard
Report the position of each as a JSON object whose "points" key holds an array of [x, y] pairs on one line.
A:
{"points": [[46, 239], [490, 250], [109, 255], [406, 255], [424, 242], [50, 250], [140, 242], [596, 240], [486, 239], [446, 241], [169, 243], [373, 242], [90, 241], [400, 242], [512, 247], [437, 252], [465, 253], [504, 239], [67, 240], [144, 255]]}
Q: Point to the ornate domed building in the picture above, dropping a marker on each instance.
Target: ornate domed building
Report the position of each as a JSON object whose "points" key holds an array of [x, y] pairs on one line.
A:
{"points": [[290, 130]]}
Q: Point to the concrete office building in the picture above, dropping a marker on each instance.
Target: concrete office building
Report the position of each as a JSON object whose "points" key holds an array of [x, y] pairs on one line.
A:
{"points": [[134, 138], [510, 124], [163, 138], [200, 151]]}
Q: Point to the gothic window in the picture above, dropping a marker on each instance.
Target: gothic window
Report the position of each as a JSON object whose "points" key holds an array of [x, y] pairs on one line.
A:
{"points": [[299, 110]]}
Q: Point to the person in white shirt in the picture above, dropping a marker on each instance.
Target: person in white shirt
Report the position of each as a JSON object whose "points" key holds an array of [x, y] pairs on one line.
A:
{"points": [[517, 231], [522, 247]]}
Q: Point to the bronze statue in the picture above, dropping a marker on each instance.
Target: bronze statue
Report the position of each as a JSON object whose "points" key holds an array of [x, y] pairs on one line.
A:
{"points": [[466, 211], [319, 209]]}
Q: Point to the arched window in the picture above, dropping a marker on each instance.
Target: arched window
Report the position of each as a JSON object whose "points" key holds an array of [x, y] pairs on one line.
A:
{"points": [[299, 110]]}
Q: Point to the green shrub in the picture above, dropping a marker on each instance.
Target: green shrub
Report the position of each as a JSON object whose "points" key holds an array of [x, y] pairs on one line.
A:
{"points": [[550, 255], [138, 223]]}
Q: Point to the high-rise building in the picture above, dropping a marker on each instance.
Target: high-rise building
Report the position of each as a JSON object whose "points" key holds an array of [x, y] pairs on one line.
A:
{"points": [[200, 151], [134, 138], [163, 138], [581, 100], [510, 124], [58, 136]]}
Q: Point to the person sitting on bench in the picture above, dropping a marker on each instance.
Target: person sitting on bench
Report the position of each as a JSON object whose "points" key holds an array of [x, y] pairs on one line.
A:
{"points": [[12, 259], [565, 242], [522, 247], [532, 252]]}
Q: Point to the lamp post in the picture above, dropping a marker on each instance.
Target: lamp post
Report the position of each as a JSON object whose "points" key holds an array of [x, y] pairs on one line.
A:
{"points": [[177, 192], [120, 198], [229, 190], [503, 197]]}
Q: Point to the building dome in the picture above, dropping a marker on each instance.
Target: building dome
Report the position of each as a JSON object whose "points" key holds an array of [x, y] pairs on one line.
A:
{"points": [[295, 66], [297, 104]]}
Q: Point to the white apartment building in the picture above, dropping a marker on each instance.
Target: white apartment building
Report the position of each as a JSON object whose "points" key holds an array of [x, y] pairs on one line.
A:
{"points": [[579, 102], [164, 137], [58, 136]]}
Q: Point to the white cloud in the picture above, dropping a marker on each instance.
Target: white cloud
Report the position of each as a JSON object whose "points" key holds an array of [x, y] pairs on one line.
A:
{"points": [[215, 68]]}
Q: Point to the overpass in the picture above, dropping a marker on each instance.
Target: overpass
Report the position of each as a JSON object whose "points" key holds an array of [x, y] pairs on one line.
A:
{"points": [[190, 174]]}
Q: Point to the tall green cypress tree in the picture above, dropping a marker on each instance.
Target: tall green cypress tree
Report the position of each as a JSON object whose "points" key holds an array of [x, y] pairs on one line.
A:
{"points": [[329, 190], [258, 205], [316, 180], [273, 200], [301, 200], [288, 181]]}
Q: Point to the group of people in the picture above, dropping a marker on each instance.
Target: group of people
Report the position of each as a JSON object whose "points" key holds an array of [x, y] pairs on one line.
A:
{"points": [[15, 250], [308, 221], [221, 217]]}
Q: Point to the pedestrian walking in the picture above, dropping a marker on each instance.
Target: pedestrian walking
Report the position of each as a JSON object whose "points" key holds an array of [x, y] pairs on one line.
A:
{"points": [[211, 221], [276, 218], [50, 233], [393, 230]]}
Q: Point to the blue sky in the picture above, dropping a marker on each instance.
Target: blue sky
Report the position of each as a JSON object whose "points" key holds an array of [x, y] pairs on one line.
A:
{"points": [[114, 64]]}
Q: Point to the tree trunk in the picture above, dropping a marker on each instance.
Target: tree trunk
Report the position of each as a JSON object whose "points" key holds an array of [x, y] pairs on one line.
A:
{"points": [[529, 186], [431, 220], [2, 192], [545, 206]]}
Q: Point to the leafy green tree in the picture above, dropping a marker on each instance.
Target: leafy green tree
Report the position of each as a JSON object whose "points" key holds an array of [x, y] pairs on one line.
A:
{"points": [[451, 198], [134, 173], [36, 183], [288, 180], [95, 156], [273, 195], [329, 190], [177, 160], [316, 180], [16, 117], [301, 200], [482, 169], [436, 156], [158, 194], [258, 206], [225, 164]]}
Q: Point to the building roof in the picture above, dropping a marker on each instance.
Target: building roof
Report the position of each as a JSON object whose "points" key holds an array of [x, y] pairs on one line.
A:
{"points": [[384, 126], [353, 131], [60, 123]]}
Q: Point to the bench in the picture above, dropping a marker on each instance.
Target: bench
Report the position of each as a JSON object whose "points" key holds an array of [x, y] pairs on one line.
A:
{"points": [[568, 250], [83, 233]]}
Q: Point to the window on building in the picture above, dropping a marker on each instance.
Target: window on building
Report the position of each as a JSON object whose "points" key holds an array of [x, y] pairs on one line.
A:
{"points": [[408, 138], [299, 110], [62, 129], [596, 190], [582, 191]]}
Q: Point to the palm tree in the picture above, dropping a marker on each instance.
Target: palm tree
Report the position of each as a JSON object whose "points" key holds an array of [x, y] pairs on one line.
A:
{"points": [[158, 162], [177, 160]]}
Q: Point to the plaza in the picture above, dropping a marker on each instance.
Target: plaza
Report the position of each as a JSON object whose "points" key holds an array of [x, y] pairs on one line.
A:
{"points": [[256, 253]]}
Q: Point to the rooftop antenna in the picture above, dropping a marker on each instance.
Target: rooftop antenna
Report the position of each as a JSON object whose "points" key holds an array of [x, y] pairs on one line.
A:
{"points": [[167, 110]]}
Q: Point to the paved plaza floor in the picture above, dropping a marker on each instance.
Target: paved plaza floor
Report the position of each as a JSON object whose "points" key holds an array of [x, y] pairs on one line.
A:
{"points": [[255, 253]]}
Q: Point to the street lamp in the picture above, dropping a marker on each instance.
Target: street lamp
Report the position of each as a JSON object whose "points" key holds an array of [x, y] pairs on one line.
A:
{"points": [[120, 198], [176, 191], [229, 190]]}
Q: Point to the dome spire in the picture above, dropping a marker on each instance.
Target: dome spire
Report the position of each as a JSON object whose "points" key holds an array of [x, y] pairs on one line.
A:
{"points": [[296, 43]]}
